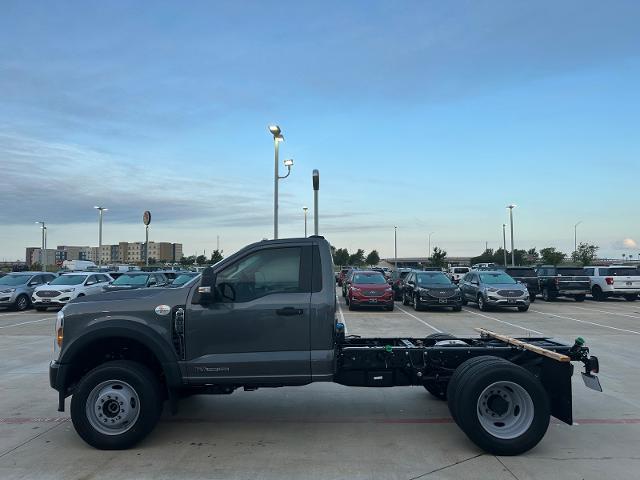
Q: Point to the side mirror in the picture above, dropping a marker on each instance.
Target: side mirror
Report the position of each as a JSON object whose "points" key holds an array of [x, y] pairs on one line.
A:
{"points": [[207, 286]]}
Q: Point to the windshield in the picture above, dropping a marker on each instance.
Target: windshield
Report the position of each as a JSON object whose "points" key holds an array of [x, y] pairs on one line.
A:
{"points": [[522, 272], [433, 278], [14, 279], [369, 278], [493, 278], [622, 271], [68, 280], [131, 280], [567, 272], [461, 270], [183, 278]]}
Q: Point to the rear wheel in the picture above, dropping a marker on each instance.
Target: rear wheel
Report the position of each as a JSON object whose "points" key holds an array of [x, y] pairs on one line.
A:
{"points": [[116, 405], [631, 298], [22, 303], [580, 298], [417, 306], [596, 293], [546, 295], [502, 408]]}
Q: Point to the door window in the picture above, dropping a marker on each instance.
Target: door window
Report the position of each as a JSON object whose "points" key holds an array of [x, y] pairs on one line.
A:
{"points": [[269, 271]]}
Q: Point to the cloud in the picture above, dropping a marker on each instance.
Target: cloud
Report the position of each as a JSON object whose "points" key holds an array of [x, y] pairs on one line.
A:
{"points": [[625, 244]]}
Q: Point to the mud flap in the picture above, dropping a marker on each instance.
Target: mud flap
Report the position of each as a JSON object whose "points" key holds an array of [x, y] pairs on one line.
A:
{"points": [[556, 379]]}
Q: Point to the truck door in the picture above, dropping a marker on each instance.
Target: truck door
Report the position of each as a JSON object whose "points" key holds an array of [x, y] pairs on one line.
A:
{"points": [[257, 327]]}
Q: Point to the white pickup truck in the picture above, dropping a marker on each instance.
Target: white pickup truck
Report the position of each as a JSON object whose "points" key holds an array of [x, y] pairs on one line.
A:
{"points": [[614, 281]]}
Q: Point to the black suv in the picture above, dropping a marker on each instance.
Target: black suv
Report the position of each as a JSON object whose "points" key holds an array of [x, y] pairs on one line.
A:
{"points": [[527, 276], [563, 282], [430, 289]]}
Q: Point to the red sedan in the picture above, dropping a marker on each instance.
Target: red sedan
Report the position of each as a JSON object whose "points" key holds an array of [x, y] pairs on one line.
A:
{"points": [[369, 289]]}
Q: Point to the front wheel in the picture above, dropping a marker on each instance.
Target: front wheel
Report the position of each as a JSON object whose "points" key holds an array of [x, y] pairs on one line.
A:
{"points": [[482, 305], [417, 306], [631, 298], [405, 300], [116, 405], [523, 308], [580, 298]]}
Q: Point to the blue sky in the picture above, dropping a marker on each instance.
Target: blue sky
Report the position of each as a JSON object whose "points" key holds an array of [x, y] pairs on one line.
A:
{"points": [[429, 115]]}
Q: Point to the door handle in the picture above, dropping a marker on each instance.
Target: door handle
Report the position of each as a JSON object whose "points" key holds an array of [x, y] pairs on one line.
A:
{"points": [[289, 311]]}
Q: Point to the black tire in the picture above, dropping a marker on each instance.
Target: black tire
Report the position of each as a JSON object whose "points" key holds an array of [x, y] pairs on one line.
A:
{"points": [[596, 293], [464, 300], [405, 300], [523, 308], [458, 376], [546, 295], [468, 398], [457, 308], [631, 298], [482, 305], [41, 309], [438, 389], [389, 308], [351, 306], [346, 300], [580, 298], [21, 303], [532, 297], [141, 380], [416, 303]]}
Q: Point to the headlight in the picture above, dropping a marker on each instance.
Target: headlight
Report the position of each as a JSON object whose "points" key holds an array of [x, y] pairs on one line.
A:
{"points": [[492, 290], [8, 290], [67, 290], [355, 289], [59, 332]]}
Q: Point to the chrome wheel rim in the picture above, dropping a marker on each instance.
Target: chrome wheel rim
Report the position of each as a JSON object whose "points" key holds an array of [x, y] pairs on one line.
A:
{"points": [[113, 407], [22, 303], [505, 410]]}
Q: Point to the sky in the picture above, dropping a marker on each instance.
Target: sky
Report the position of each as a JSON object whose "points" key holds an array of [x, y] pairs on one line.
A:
{"points": [[426, 115]]}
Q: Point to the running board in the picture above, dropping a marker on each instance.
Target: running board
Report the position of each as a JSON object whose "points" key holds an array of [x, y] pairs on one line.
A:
{"points": [[527, 346]]}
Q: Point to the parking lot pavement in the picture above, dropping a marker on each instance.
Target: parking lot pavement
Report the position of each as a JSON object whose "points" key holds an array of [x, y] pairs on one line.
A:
{"points": [[331, 431]]}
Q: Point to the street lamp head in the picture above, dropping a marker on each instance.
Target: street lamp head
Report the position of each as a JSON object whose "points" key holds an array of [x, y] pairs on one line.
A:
{"points": [[288, 162], [305, 208], [511, 206], [275, 131]]}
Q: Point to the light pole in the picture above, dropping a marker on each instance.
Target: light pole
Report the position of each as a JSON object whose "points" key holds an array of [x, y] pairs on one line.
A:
{"points": [[395, 246], [429, 252], [504, 242], [575, 236], [513, 252], [101, 211], [304, 209], [42, 252], [277, 138]]}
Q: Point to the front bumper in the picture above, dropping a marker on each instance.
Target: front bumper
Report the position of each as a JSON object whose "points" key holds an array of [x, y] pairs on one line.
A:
{"points": [[372, 301], [441, 302], [7, 298], [60, 301], [498, 301]]}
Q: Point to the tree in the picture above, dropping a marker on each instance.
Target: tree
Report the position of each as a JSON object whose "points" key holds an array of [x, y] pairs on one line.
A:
{"points": [[551, 256], [188, 260], [216, 256], [373, 258], [532, 256], [438, 257], [486, 257], [341, 257], [36, 267], [357, 258], [152, 260], [585, 253], [201, 259]]}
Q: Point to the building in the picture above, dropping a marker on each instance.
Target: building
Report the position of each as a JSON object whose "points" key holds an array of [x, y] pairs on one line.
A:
{"points": [[49, 257]]}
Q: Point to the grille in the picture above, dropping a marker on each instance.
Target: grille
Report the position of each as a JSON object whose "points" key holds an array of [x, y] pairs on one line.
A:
{"points": [[47, 293], [372, 293], [510, 293], [441, 293]]}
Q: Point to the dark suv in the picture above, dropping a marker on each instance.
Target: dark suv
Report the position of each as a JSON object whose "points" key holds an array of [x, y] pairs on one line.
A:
{"points": [[430, 289], [563, 282], [526, 276]]}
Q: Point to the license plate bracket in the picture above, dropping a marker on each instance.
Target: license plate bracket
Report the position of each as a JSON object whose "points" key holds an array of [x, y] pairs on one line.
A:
{"points": [[442, 300]]}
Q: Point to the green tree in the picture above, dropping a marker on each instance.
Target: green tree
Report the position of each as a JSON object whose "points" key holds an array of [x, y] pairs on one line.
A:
{"points": [[201, 259], [357, 258], [532, 256], [551, 256], [373, 258], [486, 257], [341, 257], [438, 257], [36, 267], [216, 256], [188, 260], [585, 254]]}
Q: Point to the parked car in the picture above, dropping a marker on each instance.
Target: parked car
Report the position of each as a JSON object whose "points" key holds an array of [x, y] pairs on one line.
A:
{"points": [[16, 288], [134, 280], [563, 281], [346, 281], [526, 276], [493, 288], [370, 289], [66, 287], [456, 273], [484, 266], [343, 273], [614, 281], [430, 289], [184, 278], [397, 276]]}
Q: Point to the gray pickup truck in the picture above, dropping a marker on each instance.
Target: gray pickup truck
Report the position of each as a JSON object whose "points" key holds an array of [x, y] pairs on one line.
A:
{"points": [[267, 317]]}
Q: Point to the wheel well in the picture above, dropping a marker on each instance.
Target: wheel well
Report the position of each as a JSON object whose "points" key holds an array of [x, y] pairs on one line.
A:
{"points": [[114, 348]]}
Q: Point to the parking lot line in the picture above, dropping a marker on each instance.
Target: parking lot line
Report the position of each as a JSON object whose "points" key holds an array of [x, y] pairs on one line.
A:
{"points": [[420, 320], [610, 313], [25, 323], [502, 321], [341, 315], [586, 321]]}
